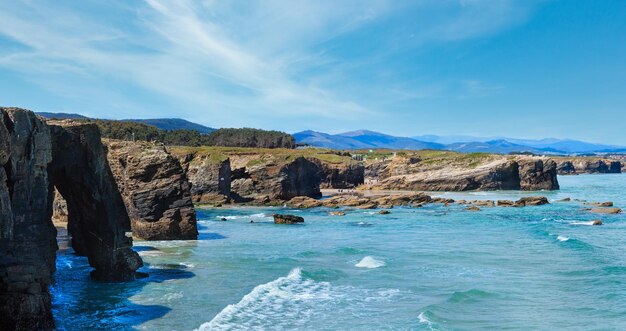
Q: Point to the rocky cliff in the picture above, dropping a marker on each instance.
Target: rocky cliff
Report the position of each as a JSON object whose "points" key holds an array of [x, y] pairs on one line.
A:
{"points": [[278, 180], [209, 175], [537, 174], [27, 236], [245, 175], [588, 166], [35, 158], [448, 171], [155, 189], [341, 175]]}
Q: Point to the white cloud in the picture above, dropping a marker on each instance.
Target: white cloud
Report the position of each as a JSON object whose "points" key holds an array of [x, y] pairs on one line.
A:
{"points": [[228, 62]]}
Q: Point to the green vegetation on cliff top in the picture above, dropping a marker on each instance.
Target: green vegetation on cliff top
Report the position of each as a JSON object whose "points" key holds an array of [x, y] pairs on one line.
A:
{"points": [[122, 130]]}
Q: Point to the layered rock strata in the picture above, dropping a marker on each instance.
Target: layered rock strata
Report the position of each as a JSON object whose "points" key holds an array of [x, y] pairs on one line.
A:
{"points": [[488, 173], [209, 175], [155, 189], [589, 166]]}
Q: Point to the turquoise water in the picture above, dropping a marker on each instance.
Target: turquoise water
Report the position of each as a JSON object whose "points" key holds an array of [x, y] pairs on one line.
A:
{"points": [[433, 268]]}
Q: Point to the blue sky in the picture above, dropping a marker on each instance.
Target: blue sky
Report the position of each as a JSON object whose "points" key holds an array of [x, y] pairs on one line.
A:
{"points": [[527, 69]]}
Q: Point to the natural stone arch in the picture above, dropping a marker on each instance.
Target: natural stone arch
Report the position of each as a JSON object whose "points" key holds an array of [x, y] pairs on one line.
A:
{"points": [[97, 218]]}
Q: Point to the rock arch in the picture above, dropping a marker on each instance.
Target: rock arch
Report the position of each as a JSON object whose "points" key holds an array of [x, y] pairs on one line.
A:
{"points": [[34, 158], [97, 218]]}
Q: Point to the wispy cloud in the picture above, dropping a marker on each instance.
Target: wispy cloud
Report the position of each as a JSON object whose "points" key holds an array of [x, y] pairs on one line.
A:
{"points": [[227, 62]]}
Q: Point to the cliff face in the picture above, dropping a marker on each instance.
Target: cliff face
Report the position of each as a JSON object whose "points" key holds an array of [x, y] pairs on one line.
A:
{"points": [[210, 177], [278, 181], [589, 166], [155, 189], [27, 237], [34, 159], [538, 175], [464, 173], [341, 175]]}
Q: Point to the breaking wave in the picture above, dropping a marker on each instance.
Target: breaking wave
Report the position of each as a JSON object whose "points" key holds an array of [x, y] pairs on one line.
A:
{"points": [[370, 263]]}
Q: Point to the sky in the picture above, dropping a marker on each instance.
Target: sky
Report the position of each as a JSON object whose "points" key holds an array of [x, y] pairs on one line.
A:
{"points": [[525, 69]]}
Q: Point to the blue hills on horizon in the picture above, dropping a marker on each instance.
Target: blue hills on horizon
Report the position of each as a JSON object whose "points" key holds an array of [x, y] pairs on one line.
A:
{"points": [[365, 139]]}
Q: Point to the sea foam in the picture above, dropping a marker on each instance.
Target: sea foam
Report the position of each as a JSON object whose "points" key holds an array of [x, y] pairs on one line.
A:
{"points": [[284, 299], [562, 238], [424, 320], [370, 263]]}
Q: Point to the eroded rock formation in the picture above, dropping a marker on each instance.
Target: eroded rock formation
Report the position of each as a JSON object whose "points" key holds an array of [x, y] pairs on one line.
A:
{"points": [[589, 166], [34, 158], [341, 175], [27, 236], [538, 175], [485, 172], [97, 217], [278, 181], [209, 175], [155, 190]]}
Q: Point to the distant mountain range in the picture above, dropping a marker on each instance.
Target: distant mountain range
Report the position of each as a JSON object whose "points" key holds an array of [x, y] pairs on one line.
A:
{"points": [[363, 139], [161, 123]]}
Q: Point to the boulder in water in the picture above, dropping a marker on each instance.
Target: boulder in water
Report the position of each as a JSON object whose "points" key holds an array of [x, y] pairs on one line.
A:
{"points": [[532, 201], [472, 208], [603, 204], [604, 210], [384, 212], [596, 222], [287, 219]]}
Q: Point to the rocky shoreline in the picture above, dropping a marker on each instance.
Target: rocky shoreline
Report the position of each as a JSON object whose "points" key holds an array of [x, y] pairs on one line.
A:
{"points": [[107, 192]]}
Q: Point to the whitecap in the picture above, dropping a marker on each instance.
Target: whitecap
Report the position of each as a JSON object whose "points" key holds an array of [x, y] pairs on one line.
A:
{"points": [[370, 263], [580, 223], [424, 320], [562, 238], [284, 299], [240, 217]]}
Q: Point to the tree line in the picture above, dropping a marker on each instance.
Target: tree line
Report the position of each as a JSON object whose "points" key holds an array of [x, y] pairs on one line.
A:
{"points": [[245, 137]]}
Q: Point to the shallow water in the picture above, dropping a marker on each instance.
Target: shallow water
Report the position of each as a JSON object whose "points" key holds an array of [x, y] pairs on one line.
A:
{"points": [[433, 268]]}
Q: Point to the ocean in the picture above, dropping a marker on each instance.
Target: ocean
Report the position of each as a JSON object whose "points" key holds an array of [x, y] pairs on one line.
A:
{"points": [[430, 268]]}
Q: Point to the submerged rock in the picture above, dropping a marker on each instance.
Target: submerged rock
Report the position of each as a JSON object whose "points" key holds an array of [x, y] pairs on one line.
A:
{"points": [[337, 213], [606, 210], [602, 204], [472, 208], [384, 212], [287, 219]]}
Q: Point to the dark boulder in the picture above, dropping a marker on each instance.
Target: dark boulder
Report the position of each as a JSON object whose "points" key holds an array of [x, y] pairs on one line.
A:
{"points": [[287, 219]]}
